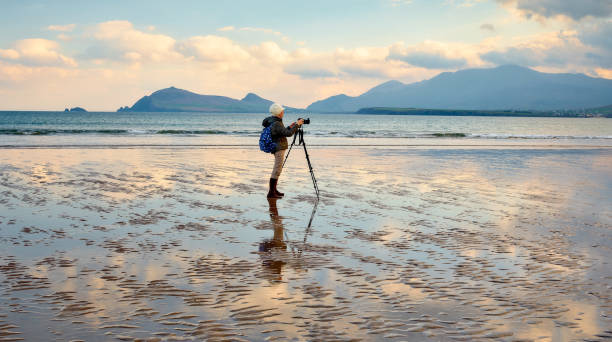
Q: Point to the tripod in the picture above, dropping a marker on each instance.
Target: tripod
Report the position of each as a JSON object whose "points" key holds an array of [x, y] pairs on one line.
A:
{"points": [[300, 134]]}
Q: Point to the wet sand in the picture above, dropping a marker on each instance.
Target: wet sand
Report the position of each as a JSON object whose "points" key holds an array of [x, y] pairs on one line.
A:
{"points": [[426, 244]]}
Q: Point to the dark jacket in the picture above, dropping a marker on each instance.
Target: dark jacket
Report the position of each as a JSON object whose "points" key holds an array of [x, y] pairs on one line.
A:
{"points": [[279, 132]]}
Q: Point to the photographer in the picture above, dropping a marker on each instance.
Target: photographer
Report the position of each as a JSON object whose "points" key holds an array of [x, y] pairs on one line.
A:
{"points": [[279, 135]]}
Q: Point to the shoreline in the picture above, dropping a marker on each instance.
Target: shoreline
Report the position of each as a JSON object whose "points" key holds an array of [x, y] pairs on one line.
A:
{"points": [[348, 146], [378, 111]]}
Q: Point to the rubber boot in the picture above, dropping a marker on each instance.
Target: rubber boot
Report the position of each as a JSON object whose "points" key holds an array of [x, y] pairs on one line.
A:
{"points": [[278, 193], [272, 191]]}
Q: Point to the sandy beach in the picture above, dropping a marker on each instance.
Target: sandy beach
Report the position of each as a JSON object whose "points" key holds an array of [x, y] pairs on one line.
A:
{"points": [[406, 244]]}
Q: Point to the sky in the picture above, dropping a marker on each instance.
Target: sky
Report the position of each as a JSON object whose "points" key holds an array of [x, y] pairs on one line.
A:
{"points": [[102, 55]]}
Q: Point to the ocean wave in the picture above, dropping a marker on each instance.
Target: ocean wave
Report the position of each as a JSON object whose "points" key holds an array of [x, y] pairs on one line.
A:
{"points": [[181, 131], [535, 136], [390, 134], [426, 135], [318, 133], [11, 131]]}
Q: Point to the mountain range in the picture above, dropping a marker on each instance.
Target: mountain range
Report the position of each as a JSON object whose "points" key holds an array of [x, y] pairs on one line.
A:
{"points": [[507, 87]]}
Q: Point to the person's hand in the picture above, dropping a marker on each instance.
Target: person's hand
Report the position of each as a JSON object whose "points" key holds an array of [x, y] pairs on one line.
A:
{"points": [[300, 122]]}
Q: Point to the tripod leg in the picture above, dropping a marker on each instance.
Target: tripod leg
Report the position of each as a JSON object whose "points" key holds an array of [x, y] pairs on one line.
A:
{"points": [[287, 156], [290, 147], [314, 180]]}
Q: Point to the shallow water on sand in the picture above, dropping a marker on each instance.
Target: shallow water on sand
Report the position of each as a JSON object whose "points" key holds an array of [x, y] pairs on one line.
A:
{"points": [[420, 245]]}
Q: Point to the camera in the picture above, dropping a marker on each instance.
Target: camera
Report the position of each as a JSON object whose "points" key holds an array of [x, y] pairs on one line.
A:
{"points": [[306, 121]]}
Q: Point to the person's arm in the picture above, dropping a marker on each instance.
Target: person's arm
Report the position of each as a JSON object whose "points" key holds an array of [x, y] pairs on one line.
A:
{"points": [[280, 130]]}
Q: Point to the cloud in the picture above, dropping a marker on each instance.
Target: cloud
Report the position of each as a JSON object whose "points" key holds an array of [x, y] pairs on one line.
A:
{"points": [[269, 53], [119, 40], [463, 3], [471, 3], [605, 73], [309, 70], [370, 62], [64, 37], [9, 54], [261, 30], [61, 28], [602, 60], [515, 55], [55, 87], [598, 35], [308, 65], [37, 52], [364, 62], [351, 64], [430, 60], [249, 29], [428, 55], [487, 27], [560, 50], [13, 72], [396, 3], [215, 49], [575, 10]]}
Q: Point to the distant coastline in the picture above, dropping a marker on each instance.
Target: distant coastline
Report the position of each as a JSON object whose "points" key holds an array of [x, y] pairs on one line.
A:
{"points": [[586, 113], [601, 112], [75, 109]]}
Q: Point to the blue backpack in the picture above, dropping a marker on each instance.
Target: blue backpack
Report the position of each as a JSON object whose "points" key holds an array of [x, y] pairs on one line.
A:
{"points": [[266, 143]]}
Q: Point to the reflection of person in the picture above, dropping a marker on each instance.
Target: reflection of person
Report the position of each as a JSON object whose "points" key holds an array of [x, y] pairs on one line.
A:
{"points": [[279, 135], [277, 242]]}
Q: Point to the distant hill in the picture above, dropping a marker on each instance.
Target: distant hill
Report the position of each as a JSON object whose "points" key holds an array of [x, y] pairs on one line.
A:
{"points": [[75, 109], [179, 100], [605, 112], [507, 87], [455, 112], [600, 111]]}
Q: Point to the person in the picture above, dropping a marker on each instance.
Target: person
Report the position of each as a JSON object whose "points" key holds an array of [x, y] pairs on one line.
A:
{"points": [[279, 134]]}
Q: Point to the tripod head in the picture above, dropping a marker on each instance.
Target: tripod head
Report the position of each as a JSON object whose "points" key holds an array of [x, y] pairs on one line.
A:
{"points": [[299, 135]]}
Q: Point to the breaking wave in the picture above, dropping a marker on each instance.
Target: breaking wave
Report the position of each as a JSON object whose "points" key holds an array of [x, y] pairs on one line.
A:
{"points": [[347, 134]]}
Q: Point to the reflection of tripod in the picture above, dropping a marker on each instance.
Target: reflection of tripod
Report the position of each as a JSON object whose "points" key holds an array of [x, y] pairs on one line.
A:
{"points": [[301, 248], [300, 133]]}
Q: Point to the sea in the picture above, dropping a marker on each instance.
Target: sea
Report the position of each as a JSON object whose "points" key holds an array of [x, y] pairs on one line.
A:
{"points": [[156, 129]]}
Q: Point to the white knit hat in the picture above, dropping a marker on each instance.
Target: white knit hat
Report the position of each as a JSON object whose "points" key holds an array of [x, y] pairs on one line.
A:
{"points": [[276, 109]]}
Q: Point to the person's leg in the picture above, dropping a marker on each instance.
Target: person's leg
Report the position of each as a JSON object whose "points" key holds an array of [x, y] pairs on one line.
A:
{"points": [[276, 171], [281, 156]]}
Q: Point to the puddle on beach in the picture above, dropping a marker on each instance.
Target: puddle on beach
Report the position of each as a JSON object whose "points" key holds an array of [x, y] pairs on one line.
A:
{"points": [[405, 245]]}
